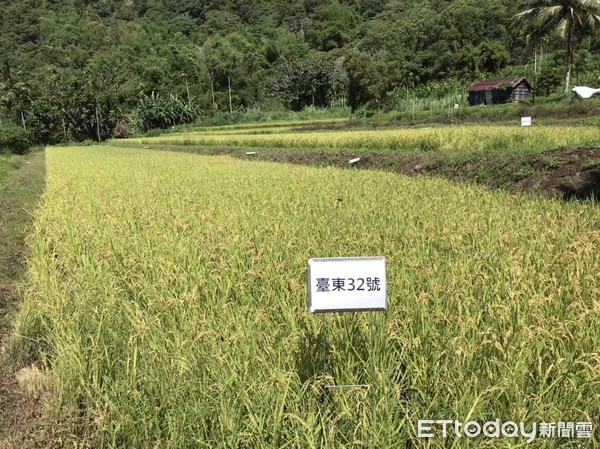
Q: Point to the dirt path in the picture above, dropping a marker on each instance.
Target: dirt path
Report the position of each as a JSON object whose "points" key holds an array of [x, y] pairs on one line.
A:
{"points": [[19, 415]]}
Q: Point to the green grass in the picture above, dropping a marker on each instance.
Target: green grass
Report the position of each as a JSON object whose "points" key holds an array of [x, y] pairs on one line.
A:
{"points": [[21, 184], [22, 181], [8, 162], [167, 304], [593, 164], [425, 111]]}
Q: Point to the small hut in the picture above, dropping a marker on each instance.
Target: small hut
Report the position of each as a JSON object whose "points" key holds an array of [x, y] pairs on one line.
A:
{"points": [[499, 91]]}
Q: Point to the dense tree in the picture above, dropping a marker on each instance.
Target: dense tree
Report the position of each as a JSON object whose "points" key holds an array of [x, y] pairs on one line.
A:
{"points": [[332, 26], [14, 92], [79, 67], [307, 82]]}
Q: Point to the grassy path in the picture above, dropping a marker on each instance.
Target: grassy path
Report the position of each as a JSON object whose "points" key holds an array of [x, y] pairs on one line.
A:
{"points": [[21, 184]]}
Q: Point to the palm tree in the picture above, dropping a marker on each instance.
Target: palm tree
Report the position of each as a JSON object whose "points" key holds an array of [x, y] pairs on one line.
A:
{"points": [[573, 19]]}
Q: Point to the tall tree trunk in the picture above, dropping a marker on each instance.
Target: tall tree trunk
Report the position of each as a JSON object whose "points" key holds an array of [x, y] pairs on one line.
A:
{"points": [[23, 120], [187, 87], [570, 53], [229, 86], [212, 91], [97, 122]]}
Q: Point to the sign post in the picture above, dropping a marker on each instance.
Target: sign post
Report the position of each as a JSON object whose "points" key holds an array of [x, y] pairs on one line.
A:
{"points": [[347, 284]]}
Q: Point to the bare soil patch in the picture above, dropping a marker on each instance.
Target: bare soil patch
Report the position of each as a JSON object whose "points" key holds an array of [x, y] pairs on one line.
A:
{"points": [[569, 174]]}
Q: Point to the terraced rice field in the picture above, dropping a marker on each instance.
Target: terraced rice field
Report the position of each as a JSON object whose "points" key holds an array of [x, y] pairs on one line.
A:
{"points": [[167, 301], [454, 141]]}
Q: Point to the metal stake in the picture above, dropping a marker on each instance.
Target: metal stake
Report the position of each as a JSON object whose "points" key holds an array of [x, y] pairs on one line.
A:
{"points": [[373, 405], [324, 347], [370, 386]]}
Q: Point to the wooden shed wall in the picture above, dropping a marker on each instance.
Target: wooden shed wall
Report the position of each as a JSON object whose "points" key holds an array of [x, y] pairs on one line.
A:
{"points": [[520, 92]]}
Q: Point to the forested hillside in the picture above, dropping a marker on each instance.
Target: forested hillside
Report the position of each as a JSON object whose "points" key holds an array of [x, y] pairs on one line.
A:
{"points": [[83, 69]]}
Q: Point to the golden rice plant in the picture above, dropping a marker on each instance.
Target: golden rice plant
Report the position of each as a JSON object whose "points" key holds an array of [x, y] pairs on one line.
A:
{"points": [[450, 140], [167, 300]]}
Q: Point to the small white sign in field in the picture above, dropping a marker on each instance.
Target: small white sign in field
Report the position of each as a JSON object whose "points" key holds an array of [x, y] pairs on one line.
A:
{"points": [[347, 284], [525, 121]]}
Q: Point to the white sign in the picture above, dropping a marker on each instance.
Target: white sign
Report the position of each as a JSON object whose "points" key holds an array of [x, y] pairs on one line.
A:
{"points": [[347, 284], [525, 121]]}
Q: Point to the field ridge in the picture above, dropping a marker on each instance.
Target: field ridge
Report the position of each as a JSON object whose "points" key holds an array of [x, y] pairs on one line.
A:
{"points": [[24, 184]]}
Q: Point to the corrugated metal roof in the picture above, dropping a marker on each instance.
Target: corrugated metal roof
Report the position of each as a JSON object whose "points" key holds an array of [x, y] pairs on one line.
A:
{"points": [[494, 84]]}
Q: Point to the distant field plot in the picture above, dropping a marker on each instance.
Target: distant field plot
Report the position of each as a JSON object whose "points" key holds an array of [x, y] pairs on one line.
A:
{"points": [[273, 124], [269, 127], [167, 300], [455, 141]]}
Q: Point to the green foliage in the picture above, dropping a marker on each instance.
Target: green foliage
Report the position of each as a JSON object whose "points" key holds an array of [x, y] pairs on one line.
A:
{"points": [[307, 82], [76, 106], [155, 111], [492, 56], [587, 68], [14, 139], [71, 70], [548, 80], [332, 26]]}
